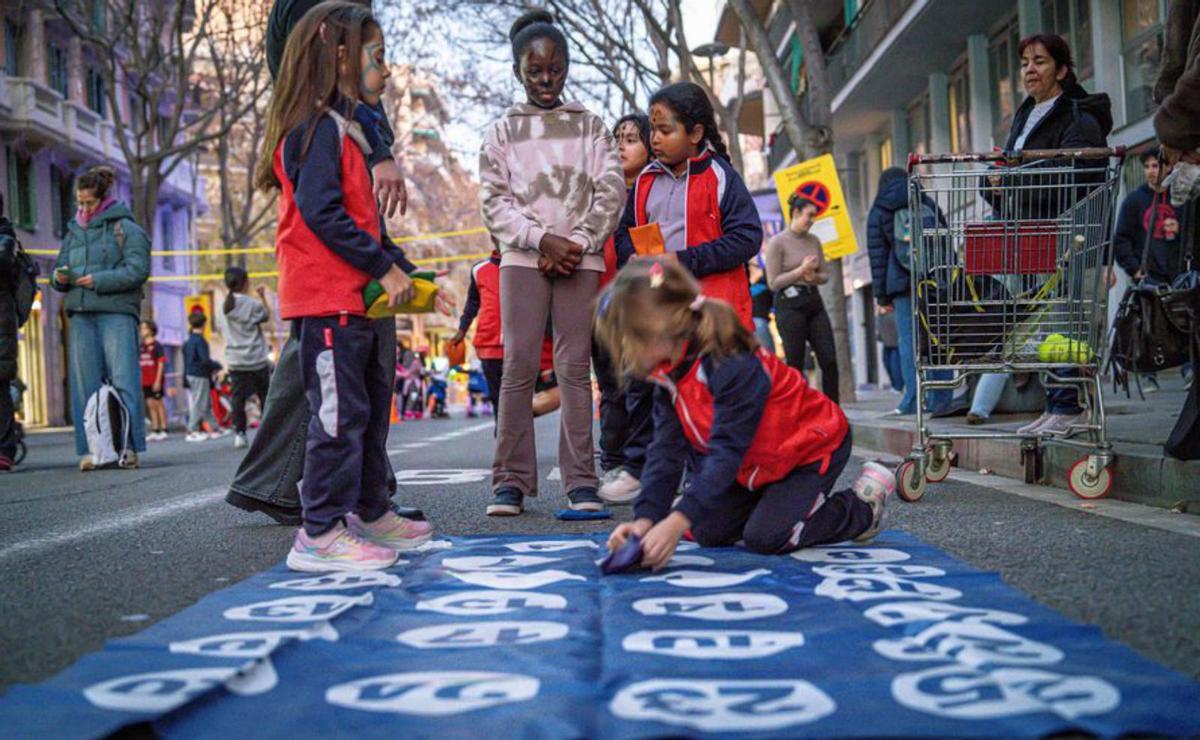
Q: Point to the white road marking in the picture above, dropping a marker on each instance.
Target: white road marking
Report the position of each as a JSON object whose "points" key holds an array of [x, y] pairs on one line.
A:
{"points": [[1124, 511], [115, 522]]}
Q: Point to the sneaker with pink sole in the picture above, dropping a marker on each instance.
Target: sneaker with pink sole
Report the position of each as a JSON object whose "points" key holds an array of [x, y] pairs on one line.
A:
{"points": [[337, 550], [874, 485], [391, 531]]}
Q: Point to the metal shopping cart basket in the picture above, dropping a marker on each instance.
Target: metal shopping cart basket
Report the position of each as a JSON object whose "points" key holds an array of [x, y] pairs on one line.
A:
{"points": [[1009, 259]]}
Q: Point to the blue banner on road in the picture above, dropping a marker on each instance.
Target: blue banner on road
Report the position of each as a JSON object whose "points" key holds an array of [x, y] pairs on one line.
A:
{"points": [[522, 637]]}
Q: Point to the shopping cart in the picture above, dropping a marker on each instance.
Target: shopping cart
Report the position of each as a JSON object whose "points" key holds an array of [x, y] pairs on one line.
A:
{"points": [[1009, 261]]}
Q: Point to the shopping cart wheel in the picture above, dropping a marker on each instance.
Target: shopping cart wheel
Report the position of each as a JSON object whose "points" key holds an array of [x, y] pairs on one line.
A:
{"points": [[1085, 485], [939, 463], [911, 481]]}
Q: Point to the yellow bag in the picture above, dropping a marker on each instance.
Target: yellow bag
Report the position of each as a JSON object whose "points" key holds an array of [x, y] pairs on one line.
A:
{"points": [[375, 299]]}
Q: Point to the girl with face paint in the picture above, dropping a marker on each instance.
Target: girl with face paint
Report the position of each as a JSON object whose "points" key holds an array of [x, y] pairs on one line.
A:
{"points": [[552, 191]]}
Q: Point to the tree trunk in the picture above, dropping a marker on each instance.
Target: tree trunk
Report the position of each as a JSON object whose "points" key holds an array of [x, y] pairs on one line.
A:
{"points": [[809, 139]]}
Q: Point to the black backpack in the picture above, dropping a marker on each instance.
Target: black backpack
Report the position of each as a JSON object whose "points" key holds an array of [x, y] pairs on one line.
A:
{"points": [[24, 276]]}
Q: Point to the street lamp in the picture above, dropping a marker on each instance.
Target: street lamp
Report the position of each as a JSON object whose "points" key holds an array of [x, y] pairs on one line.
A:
{"points": [[711, 52]]}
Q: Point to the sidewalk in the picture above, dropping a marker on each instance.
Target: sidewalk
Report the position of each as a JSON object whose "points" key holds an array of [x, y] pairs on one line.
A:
{"points": [[1137, 429]]}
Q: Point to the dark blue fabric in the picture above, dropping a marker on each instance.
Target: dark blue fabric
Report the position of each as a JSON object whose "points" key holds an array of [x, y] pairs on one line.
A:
{"points": [[896, 638], [887, 275], [639, 425], [316, 176], [196, 359], [1163, 260]]}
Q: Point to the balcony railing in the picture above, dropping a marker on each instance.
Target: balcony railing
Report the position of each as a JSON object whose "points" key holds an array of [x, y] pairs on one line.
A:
{"points": [[36, 109], [855, 44]]}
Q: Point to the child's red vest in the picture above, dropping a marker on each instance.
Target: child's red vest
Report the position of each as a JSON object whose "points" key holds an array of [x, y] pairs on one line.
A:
{"points": [[705, 186], [488, 341], [313, 281], [799, 424]]}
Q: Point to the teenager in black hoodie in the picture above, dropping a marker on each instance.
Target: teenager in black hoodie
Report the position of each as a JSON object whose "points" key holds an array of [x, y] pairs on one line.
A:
{"points": [[1148, 209]]}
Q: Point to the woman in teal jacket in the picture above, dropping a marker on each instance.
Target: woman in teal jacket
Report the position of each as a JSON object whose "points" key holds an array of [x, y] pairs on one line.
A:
{"points": [[104, 261]]}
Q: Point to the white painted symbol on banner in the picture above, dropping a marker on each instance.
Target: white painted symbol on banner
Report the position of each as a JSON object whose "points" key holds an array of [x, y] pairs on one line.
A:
{"points": [[482, 634], [865, 588], [961, 692], [706, 579], [486, 603], [251, 644], [712, 644], [496, 562], [335, 581], [850, 555], [723, 705], [878, 569], [969, 643], [259, 678], [907, 612], [685, 546], [441, 477], [515, 581], [160, 691], [551, 545], [679, 561], [300, 608], [433, 693], [727, 607]]}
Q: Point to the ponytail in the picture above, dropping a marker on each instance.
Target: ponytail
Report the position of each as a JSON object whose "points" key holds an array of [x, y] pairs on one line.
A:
{"points": [[236, 279]]}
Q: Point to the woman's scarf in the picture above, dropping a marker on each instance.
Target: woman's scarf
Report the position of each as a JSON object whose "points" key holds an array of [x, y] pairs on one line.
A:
{"points": [[83, 218]]}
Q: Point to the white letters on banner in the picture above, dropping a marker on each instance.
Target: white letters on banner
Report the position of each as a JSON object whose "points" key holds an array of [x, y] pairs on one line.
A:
{"points": [[434, 693], [883, 569], [300, 608], [251, 644], [551, 545], [723, 705], [482, 634], [706, 579], [488, 603], [866, 588], [496, 562], [336, 581], [850, 555], [160, 691], [962, 692], [508, 580], [973, 644], [724, 607], [906, 612], [712, 644]]}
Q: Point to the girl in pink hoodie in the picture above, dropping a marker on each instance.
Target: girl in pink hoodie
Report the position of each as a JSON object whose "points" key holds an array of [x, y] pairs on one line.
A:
{"points": [[552, 193]]}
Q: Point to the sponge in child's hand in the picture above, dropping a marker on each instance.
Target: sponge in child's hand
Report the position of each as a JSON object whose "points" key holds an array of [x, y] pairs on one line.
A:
{"points": [[570, 515], [626, 557], [424, 292]]}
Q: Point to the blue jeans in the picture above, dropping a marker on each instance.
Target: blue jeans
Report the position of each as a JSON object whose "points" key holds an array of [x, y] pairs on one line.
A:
{"points": [[106, 345], [762, 330], [891, 363], [987, 394], [908, 363], [1064, 400]]}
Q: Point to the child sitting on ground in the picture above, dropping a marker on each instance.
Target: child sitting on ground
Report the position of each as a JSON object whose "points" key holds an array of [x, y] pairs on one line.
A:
{"points": [[770, 448]]}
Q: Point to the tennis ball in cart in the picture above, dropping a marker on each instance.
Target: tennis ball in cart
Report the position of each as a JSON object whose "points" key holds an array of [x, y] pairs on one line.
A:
{"points": [[1058, 348]]}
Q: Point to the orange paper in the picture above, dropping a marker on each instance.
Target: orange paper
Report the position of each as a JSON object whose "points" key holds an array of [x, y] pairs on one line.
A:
{"points": [[647, 240]]}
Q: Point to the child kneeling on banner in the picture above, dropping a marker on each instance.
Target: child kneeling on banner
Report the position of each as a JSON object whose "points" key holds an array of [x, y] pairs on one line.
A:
{"points": [[768, 448], [328, 246]]}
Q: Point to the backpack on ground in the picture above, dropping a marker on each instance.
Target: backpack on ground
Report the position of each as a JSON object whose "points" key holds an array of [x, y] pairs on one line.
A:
{"points": [[106, 424]]}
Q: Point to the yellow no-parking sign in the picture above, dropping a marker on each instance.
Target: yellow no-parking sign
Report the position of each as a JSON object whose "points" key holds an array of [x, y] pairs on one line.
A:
{"points": [[203, 304], [817, 180]]}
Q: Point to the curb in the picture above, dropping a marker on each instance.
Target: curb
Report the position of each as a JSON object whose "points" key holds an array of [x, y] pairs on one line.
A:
{"points": [[1141, 473]]}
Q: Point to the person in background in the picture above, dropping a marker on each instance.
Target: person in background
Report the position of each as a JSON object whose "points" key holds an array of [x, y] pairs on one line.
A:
{"points": [[8, 340], [1147, 222], [483, 303], [153, 361], [1177, 90], [762, 302], [198, 370], [796, 268], [240, 320], [103, 263], [889, 337]]}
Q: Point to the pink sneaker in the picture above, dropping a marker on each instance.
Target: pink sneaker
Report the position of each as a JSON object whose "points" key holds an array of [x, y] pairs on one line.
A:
{"points": [[337, 550], [391, 531], [873, 487]]}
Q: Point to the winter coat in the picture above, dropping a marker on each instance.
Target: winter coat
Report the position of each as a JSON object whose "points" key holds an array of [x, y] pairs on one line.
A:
{"points": [[115, 251], [889, 277], [1177, 121], [1139, 210], [197, 362], [8, 300]]}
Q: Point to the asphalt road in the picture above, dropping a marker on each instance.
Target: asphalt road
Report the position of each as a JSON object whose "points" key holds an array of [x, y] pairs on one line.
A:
{"points": [[88, 557]]}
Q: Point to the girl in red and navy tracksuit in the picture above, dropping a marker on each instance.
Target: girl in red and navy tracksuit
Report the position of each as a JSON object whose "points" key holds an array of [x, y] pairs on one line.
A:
{"points": [[328, 246], [767, 448], [483, 302]]}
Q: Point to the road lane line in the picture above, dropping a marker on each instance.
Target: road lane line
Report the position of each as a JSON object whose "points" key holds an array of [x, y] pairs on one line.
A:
{"points": [[116, 522]]}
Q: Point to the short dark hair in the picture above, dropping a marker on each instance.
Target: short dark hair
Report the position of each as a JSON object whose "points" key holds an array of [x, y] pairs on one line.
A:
{"points": [[1149, 154], [1060, 52], [197, 319], [153, 327], [532, 25]]}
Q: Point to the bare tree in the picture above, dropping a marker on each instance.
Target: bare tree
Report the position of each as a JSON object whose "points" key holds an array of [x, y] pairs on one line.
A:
{"points": [[146, 55], [811, 135]]}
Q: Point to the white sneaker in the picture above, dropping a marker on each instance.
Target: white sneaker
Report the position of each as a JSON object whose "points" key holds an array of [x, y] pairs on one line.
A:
{"points": [[610, 475], [1032, 427], [240, 441], [196, 437], [873, 487], [623, 490], [1060, 424], [219, 433]]}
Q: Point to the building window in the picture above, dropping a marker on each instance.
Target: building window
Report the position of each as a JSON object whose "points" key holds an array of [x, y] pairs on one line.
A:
{"points": [[1142, 45], [1072, 19], [12, 48], [1006, 89], [62, 199], [167, 239], [21, 193], [57, 68], [918, 127], [96, 93], [960, 110]]}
